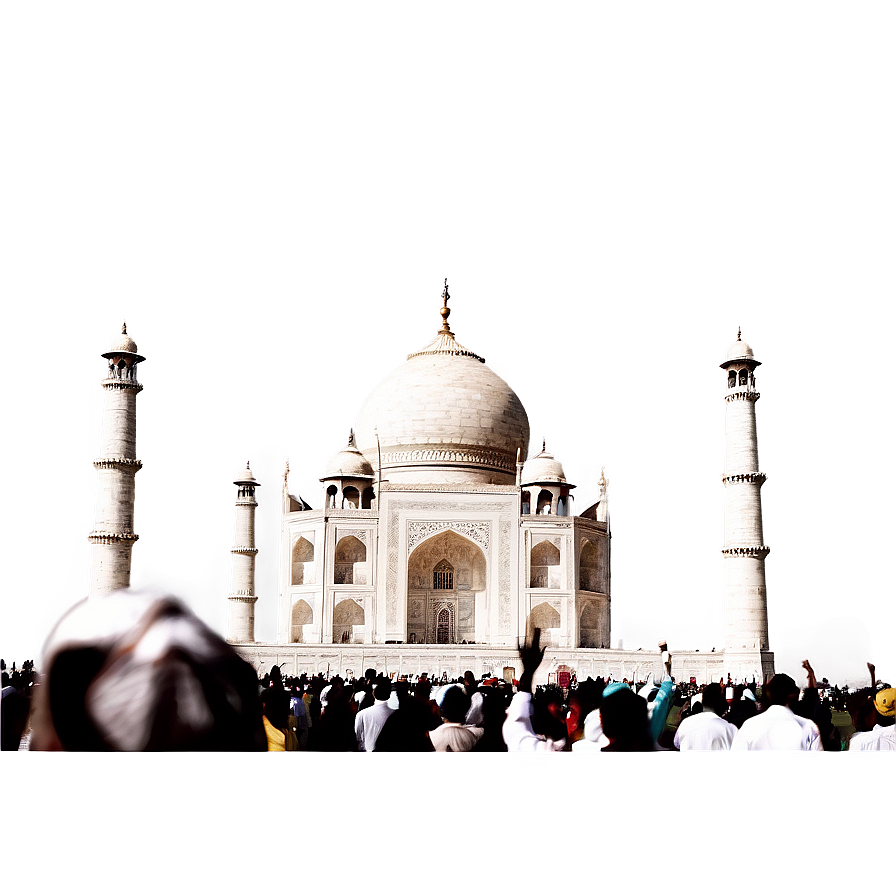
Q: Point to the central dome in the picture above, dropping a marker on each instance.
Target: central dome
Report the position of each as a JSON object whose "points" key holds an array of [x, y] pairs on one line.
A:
{"points": [[444, 417]]}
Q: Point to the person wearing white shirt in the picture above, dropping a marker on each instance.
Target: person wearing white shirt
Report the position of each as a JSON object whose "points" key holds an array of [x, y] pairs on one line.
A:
{"points": [[883, 735], [707, 730], [453, 736], [778, 727], [369, 722]]}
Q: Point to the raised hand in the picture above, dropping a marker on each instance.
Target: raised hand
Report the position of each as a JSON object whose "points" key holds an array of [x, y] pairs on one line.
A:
{"points": [[531, 655]]}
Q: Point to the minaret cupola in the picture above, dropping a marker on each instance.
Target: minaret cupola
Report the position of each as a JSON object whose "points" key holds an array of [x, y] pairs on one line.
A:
{"points": [[544, 486]]}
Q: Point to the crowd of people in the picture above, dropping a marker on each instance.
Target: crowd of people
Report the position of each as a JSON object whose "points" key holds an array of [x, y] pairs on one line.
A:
{"points": [[373, 713], [141, 672]]}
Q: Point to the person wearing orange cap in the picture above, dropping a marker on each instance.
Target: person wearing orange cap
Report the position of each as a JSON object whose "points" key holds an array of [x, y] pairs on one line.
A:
{"points": [[883, 735]]}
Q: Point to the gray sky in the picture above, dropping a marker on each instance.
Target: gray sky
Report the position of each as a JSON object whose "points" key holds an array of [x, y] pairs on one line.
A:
{"points": [[272, 201]]}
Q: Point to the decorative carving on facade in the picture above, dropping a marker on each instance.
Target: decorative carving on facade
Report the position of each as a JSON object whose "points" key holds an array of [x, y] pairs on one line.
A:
{"points": [[243, 549], [504, 579], [360, 534], [459, 454], [475, 531]]}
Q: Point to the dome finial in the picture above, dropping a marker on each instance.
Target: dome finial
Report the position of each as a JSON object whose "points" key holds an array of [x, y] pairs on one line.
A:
{"points": [[351, 438], [445, 310], [738, 334], [124, 329], [544, 443]]}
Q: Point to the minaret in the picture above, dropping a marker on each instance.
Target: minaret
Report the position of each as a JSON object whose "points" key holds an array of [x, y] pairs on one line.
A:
{"points": [[746, 635], [241, 618], [603, 506], [113, 534]]}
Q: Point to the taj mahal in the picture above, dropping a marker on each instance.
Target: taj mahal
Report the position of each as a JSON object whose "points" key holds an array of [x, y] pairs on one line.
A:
{"points": [[439, 542]]}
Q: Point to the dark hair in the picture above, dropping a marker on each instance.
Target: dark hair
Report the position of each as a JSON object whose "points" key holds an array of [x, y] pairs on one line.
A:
{"points": [[276, 706], [714, 698], [382, 689], [780, 689], [455, 705], [623, 717]]}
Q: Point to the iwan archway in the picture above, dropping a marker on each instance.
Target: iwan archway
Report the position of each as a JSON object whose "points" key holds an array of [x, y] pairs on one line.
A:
{"points": [[446, 590]]}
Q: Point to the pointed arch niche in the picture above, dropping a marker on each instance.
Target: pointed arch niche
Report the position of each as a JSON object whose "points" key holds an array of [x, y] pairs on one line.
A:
{"points": [[303, 561], [446, 581], [348, 622], [350, 562], [547, 618], [591, 568], [544, 565], [300, 616]]}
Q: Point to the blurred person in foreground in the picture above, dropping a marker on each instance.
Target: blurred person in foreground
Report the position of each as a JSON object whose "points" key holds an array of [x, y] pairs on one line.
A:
{"points": [[138, 671], [530, 726], [777, 727], [883, 735]]}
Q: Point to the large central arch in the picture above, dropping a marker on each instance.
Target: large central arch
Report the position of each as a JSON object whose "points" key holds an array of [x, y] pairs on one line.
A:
{"points": [[446, 580]]}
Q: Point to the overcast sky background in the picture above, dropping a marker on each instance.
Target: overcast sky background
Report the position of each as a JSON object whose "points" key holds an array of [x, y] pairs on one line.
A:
{"points": [[271, 198]]}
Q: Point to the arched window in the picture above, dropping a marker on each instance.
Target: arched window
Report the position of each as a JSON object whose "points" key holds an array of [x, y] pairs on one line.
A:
{"points": [[544, 501], [351, 500], [346, 615], [300, 617], [368, 498], [443, 576], [303, 562], [544, 566], [743, 377], [351, 554], [443, 626], [732, 379], [589, 626], [526, 502], [545, 617], [590, 568], [331, 495]]}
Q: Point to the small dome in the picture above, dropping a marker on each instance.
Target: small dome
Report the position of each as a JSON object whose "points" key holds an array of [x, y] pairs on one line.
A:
{"points": [[349, 463], [544, 467], [122, 344], [739, 351], [245, 477]]}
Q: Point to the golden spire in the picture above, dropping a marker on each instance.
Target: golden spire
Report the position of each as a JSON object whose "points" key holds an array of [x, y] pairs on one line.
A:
{"points": [[445, 311]]}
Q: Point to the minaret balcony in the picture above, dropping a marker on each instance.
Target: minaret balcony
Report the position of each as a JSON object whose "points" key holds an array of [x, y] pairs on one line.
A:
{"points": [[742, 394], [116, 383], [105, 537], [118, 463], [732, 478], [760, 551]]}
